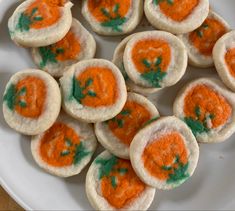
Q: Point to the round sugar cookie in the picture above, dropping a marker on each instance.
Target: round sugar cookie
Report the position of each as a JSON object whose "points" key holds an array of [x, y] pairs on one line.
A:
{"points": [[176, 16], [118, 60], [208, 108], [155, 59], [116, 134], [93, 90], [31, 101], [113, 17], [65, 148], [111, 184], [37, 23], [224, 59], [165, 153], [200, 42], [78, 44]]}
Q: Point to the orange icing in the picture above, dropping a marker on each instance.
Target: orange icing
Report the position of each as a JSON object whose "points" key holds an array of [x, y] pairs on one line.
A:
{"points": [[34, 97], [163, 152], [136, 115], [103, 84], [151, 50], [179, 9], [230, 61], [46, 10], [205, 37], [129, 186], [96, 7], [53, 144], [70, 47], [209, 102]]}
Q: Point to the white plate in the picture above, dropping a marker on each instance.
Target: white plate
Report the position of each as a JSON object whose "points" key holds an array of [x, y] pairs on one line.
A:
{"points": [[211, 187]]}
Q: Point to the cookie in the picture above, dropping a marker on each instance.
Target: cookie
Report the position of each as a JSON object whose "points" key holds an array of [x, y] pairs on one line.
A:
{"points": [[224, 59], [93, 90], [155, 59], [201, 41], [208, 108], [37, 23], [118, 60], [113, 17], [78, 44], [65, 148], [176, 16], [116, 134], [165, 153], [31, 101], [111, 184]]}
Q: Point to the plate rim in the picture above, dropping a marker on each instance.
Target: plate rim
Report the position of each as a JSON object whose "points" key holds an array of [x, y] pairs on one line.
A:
{"points": [[13, 195]]}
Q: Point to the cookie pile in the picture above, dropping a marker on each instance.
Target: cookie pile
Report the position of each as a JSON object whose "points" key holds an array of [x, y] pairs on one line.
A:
{"points": [[106, 101]]}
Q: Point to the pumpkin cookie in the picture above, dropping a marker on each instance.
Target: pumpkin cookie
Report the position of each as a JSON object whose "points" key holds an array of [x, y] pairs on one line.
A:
{"points": [[201, 41], [207, 107], [224, 58], [118, 60], [155, 59], [176, 16], [113, 17], [78, 44], [37, 23], [66, 148], [31, 101], [111, 184], [116, 134], [93, 90], [165, 153]]}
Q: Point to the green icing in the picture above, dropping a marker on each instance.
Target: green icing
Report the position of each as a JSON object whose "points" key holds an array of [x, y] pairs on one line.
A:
{"points": [[68, 142], [25, 20], [198, 111], [180, 173], [199, 31], [80, 153], [113, 22], [78, 90], [11, 97], [113, 181], [196, 125], [122, 170], [106, 166], [150, 121], [154, 75], [48, 56], [120, 122], [22, 104], [157, 2], [125, 112], [65, 153]]}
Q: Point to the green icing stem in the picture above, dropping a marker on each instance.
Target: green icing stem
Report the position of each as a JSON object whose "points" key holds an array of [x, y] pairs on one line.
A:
{"points": [[11, 97], [26, 20], [77, 92], [196, 125], [179, 173], [106, 166], [153, 74], [80, 153], [113, 22]]}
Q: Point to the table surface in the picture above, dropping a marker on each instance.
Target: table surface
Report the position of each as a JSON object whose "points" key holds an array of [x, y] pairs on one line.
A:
{"points": [[7, 203]]}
